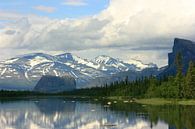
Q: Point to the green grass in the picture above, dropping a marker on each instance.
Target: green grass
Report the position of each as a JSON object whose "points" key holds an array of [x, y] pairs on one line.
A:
{"points": [[154, 101], [187, 102], [151, 101], [160, 101]]}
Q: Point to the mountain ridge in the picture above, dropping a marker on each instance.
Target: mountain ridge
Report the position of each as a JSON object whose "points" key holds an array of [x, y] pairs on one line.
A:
{"points": [[29, 68]]}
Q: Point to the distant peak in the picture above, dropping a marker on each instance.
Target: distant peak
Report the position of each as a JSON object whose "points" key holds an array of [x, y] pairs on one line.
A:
{"points": [[105, 59], [177, 39], [33, 55], [105, 56], [66, 56], [182, 41], [141, 65]]}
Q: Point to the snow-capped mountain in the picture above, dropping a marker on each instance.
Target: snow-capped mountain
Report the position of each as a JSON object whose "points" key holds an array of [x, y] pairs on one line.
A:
{"points": [[140, 65], [23, 72], [109, 63]]}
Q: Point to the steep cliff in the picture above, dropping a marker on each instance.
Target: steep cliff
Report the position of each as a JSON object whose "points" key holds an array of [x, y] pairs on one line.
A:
{"points": [[187, 50], [53, 84]]}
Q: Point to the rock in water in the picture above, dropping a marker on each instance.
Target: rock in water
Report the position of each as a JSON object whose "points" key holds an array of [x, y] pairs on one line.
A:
{"points": [[54, 84]]}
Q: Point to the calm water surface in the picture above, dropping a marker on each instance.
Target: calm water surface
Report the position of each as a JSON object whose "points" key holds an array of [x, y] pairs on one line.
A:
{"points": [[61, 113]]}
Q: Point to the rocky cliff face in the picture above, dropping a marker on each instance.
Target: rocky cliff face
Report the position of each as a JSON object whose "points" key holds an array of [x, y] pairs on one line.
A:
{"points": [[187, 49], [53, 84]]}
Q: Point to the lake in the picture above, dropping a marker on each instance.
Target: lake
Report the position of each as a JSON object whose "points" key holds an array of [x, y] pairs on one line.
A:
{"points": [[63, 113]]}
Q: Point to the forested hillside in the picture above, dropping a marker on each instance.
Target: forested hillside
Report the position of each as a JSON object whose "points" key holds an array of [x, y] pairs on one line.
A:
{"points": [[179, 86]]}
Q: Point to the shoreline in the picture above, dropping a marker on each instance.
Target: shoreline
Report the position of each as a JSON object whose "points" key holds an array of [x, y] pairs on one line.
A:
{"points": [[157, 101], [124, 99]]}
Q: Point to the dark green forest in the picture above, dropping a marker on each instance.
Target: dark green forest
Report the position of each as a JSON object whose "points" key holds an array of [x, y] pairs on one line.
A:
{"points": [[179, 86]]}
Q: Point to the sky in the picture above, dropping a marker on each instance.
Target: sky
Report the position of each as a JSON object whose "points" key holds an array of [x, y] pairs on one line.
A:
{"points": [[125, 29]]}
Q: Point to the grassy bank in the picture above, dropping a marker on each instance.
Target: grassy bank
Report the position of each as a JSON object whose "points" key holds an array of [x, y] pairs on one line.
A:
{"points": [[161, 101], [154, 101]]}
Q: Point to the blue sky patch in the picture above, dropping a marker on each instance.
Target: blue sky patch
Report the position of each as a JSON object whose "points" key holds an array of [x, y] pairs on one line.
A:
{"points": [[55, 9]]}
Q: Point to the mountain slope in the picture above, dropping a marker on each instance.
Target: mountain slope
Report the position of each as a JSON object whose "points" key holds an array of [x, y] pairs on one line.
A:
{"points": [[23, 72]]}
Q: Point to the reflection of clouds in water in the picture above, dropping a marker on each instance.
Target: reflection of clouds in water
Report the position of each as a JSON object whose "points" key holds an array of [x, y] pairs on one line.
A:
{"points": [[140, 124], [55, 114]]}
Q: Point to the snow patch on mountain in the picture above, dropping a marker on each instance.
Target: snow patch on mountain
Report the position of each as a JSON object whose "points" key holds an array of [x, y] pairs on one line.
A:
{"points": [[4, 70], [103, 59], [38, 60], [11, 60], [141, 65]]}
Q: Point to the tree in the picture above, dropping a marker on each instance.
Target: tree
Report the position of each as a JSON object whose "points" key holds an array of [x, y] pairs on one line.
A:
{"points": [[152, 90], [193, 81], [179, 79], [126, 80], [190, 82], [168, 89]]}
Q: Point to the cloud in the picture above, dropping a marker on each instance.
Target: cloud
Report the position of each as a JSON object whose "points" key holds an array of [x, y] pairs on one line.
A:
{"points": [[8, 16], [74, 3], [10, 32], [46, 9], [137, 28], [149, 48]]}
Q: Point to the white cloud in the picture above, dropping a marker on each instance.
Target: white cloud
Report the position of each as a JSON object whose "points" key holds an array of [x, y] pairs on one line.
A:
{"points": [[74, 3], [9, 15], [125, 28], [46, 9]]}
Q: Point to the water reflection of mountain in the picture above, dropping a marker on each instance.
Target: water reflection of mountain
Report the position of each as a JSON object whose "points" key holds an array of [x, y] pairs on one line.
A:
{"points": [[52, 106], [60, 114], [57, 114]]}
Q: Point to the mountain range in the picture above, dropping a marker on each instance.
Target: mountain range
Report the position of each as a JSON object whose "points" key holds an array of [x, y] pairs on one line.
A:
{"points": [[23, 72]]}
